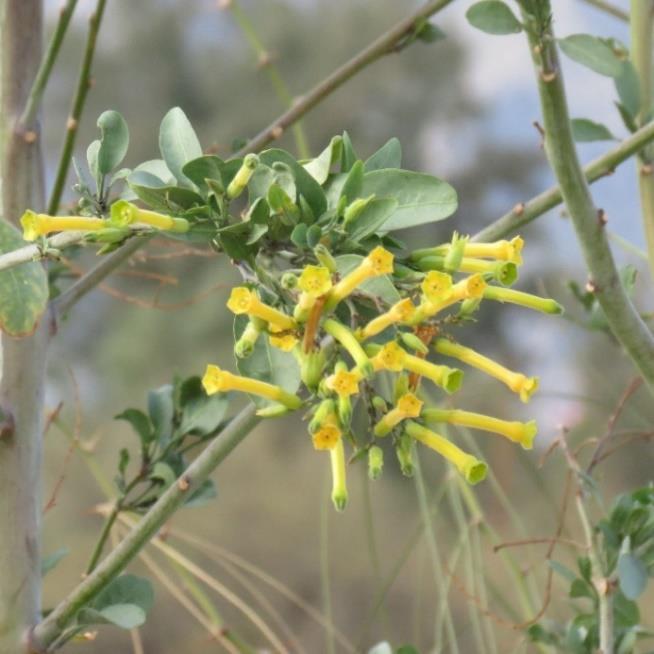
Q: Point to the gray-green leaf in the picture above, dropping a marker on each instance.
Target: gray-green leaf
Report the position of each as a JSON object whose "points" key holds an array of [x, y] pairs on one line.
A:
{"points": [[178, 143], [632, 574], [388, 156], [493, 17], [23, 288], [585, 131], [591, 52], [628, 88], [421, 198], [113, 142]]}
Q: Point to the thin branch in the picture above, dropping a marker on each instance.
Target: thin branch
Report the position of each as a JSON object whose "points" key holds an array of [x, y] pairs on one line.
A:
{"points": [[610, 9], [64, 302], [51, 628], [265, 60], [48, 61], [83, 86], [526, 212], [623, 319], [385, 44]]}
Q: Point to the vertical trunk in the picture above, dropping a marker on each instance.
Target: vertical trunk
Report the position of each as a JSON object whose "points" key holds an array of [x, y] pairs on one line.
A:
{"points": [[22, 361]]}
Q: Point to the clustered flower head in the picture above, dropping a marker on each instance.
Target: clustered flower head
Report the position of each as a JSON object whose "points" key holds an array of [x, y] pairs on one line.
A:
{"points": [[346, 357]]}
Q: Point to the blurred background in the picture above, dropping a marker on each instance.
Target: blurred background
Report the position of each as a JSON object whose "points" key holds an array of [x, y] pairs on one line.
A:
{"points": [[463, 109]]}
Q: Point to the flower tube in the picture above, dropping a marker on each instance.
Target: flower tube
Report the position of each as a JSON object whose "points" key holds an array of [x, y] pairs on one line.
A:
{"points": [[378, 262], [392, 357], [339, 486], [216, 380], [314, 282], [40, 224], [468, 465], [503, 250], [518, 432], [400, 312], [524, 386], [125, 213], [544, 305], [347, 339], [470, 287], [408, 406], [245, 301], [505, 272]]}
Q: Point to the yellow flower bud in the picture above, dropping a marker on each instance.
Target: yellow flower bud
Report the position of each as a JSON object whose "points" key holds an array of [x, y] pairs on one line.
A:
{"points": [[401, 311], [40, 224], [245, 301], [408, 406]]}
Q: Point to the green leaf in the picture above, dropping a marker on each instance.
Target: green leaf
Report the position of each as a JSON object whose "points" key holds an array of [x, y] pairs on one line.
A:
{"points": [[203, 495], [319, 167], [202, 414], [268, 364], [580, 588], [156, 194], [23, 288], [373, 216], [178, 143], [407, 649], [626, 611], [125, 616], [591, 52], [306, 185], [388, 156], [113, 142], [51, 561], [164, 473], [92, 158], [493, 17], [234, 241], [430, 33], [125, 603], [203, 168], [353, 183], [140, 423], [379, 286], [348, 154], [421, 198], [632, 575], [628, 88], [585, 131], [161, 410], [159, 169]]}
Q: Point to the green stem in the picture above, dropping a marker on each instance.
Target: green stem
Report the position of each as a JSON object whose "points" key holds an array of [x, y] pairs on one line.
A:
{"points": [[276, 79], [47, 631], [83, 86], [524, 213], [48, 61], [104, 535], [642, 26], [622, 317], [325, 576], [383, 45]]}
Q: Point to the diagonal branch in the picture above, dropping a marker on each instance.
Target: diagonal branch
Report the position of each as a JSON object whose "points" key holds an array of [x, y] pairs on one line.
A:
{"points": [[53, 626], [526, 212], [385, 44]]}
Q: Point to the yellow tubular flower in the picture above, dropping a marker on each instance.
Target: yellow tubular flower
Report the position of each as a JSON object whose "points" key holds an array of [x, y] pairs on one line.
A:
{"points": [[216, 380], [284, 343], [40, 224], [469, 466], [243, 300], [378, 262], [344, 382], [518, 432], [524, 386], [392, 357], [339, 487], [545, 305], [328, 435], [124, 213], [401, 311], [436, 286], [504, 250], [408, 406], [314, 282], [466, 289], [347, 339]]}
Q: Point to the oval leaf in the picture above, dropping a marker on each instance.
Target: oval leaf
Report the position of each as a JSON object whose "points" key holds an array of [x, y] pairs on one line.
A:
{"points": [[421, 198], [585, 131], [388, 156], [373, 216], [23, 288], [113, 142], [593, 53], [632, 574], [178, 143], [493, 17]]}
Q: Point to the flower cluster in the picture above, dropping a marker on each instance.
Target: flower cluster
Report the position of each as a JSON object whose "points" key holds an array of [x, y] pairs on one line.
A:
{"points": [[382, 359]]}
